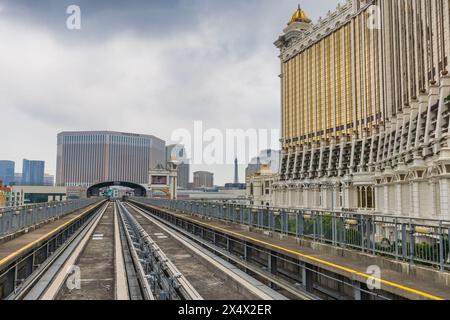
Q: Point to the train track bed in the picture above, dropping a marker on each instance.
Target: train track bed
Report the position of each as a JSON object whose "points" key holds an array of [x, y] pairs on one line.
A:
{"points": [[96, 264], [211, 279], [25, 258]]}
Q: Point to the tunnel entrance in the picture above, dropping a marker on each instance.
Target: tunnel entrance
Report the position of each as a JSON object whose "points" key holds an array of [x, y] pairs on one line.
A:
{"points": [[94, 190]]}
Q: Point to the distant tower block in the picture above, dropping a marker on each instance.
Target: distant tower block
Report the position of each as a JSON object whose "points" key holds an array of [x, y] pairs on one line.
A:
{"points": [[236, 177]]}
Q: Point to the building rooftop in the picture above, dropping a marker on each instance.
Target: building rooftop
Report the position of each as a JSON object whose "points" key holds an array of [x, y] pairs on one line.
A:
{"points": [[110, 133]]}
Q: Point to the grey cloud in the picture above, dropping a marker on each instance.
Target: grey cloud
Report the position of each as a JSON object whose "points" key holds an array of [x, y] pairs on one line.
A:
{"points": [[139, 66]]}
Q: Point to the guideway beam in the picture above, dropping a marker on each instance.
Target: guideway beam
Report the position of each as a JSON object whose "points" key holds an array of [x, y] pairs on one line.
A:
{"points": [[341, 270]]}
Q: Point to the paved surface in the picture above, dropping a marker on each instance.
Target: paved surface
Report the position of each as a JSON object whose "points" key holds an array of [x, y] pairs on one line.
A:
{"points": [[354, 269], [14, 245], [96, 263], [208, 282]]}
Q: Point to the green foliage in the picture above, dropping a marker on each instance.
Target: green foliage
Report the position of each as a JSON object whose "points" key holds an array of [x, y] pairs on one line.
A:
{"points": [[292, 226], [327, 223], [423, 251], [353, 237]]}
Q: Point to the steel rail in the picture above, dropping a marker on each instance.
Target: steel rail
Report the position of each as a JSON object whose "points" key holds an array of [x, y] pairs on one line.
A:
{"points": [[121, 283], [295, 291], [146, 290], [173, 280], [214, 257], [54, 285], [30, 289]]}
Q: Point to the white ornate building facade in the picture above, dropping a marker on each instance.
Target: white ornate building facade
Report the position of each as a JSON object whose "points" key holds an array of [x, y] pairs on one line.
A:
{"points": [[365, 109]]}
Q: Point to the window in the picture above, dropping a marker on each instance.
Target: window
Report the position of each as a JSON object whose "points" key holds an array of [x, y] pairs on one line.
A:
{"points": [[366, 197]]}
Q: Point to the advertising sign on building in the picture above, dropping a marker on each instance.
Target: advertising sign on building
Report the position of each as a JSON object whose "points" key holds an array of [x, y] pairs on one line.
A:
{"points": [[5, 195], [159, 180]]}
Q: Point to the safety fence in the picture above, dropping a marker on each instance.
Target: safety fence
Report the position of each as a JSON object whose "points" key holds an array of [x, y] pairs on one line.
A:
{"points": [[420, 241], [18, 218]]}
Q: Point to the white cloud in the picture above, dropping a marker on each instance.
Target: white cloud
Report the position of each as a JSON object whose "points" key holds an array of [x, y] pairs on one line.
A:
{"points": [[222, 71]]}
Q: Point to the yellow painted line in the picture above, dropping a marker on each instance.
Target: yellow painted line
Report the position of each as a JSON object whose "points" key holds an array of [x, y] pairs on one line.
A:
{"points": [[31, 244], [362, 274]]}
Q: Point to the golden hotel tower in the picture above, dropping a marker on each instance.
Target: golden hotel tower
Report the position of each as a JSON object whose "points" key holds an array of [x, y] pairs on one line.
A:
{"points": [[365, 109]]}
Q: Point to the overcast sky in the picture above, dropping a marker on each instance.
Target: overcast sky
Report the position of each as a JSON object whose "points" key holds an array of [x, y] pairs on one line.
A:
{"points": [[138, 66]]}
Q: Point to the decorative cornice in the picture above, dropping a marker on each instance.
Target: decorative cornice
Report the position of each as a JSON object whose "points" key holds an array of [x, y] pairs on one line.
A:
{"points": [[294, 41]]}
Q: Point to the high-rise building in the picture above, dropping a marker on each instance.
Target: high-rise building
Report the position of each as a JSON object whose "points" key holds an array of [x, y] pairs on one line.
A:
{"points": [[183, 175], [7, 172], [49, 180], [203, 179], [18, 178], [366, 109], [89, 157], [33, 172], [178, 153]]}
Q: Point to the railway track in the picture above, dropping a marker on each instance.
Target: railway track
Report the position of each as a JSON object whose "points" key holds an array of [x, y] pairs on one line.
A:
{"points": [[129, 251], [122, 252], [197, 273], [94, 264], [29, 265], [192, 256], [97, 270]]}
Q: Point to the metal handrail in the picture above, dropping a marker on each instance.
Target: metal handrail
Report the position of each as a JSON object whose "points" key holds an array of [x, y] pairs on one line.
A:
{"points": [[415, 240], [14, 219]]}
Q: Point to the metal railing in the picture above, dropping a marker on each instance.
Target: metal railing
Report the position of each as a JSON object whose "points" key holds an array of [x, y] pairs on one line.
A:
{"points": [[421, 241], [15, 219]]}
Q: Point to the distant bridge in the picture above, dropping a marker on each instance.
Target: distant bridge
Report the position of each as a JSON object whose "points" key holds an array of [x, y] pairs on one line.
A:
{"points": [[94, 190]]}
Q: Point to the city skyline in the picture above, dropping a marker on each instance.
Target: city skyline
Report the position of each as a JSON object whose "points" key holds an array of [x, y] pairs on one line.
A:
{"points": [[211, 68], [341, 124], [10, 176]]}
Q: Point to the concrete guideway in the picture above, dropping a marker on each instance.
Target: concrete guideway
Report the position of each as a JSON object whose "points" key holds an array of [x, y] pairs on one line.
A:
{"points": [[27, 254], [121, 292], [239, 269], [132, 251], [85, 267], [393, 282], [91, 265], [54, 279], [214, 278], [95, 258], [97, 251]]}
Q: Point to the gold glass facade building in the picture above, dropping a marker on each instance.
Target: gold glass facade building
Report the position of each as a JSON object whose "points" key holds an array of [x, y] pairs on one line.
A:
{"points": [[365, 109], [317, 82]]}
